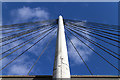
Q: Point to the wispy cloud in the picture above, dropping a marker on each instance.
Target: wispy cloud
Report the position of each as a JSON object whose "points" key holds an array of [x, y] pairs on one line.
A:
{"points": [[26, 14], [18, 69], [83, 50], [22, 65]]}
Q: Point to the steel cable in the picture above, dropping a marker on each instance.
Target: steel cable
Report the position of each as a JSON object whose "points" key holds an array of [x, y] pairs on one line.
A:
{"points": [[99, 35], [30, 40], [116, 37], [93, 29], [25, 42], [23, 37], [97, 24], [28, 23], [96, 37], [25, 51], [95, 52], [93, 42], [80, 55], [20, 34], [41, 53]]}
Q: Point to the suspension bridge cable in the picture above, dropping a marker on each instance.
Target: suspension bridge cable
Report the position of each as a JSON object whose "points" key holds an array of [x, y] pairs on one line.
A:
{"points": [[99, 35], [102, 28], [5, 29], [96, 37], [26, 50], [28, 23], [15, 35], [42, 52], [25, 24], [97, 32], [23, 37], [20, 34], [107, 29], [95, 51], [24, 31], [23, 28], [104, 25], [96, 42], [97, 24], [30, 40], [94, 29], [93, 42], [16, 30], [13, 31], [79, 55]]}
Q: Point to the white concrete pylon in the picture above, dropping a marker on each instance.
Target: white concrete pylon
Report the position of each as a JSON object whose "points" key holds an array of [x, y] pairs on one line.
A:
{"points": [[61, 64]]}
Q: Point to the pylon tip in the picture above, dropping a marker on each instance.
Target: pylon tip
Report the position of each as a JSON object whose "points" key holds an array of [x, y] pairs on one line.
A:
{"points": [[60, 16]]}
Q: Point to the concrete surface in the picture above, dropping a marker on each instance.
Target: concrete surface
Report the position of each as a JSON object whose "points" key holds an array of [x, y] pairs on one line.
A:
{"points": [[49, 77]]}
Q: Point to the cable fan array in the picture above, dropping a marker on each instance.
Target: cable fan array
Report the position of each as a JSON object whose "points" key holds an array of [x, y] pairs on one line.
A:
{"points": [[33, 32], [104, 33]]}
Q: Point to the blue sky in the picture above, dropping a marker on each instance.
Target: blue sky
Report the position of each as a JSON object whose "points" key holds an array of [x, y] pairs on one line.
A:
{"points": [[95, 12], [101, 12]]}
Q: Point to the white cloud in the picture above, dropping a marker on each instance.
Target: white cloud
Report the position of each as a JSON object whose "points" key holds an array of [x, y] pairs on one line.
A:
{"points": [[20, 66], [82, 49], [25, 60], [26, 14], [18, 69]]}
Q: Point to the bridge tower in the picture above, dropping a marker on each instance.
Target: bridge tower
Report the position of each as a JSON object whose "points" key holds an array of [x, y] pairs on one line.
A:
{"points": [[61, 64]]}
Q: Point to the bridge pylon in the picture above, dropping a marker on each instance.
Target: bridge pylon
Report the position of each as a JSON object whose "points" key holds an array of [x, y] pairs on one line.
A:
{"points": [[61, 63]]}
